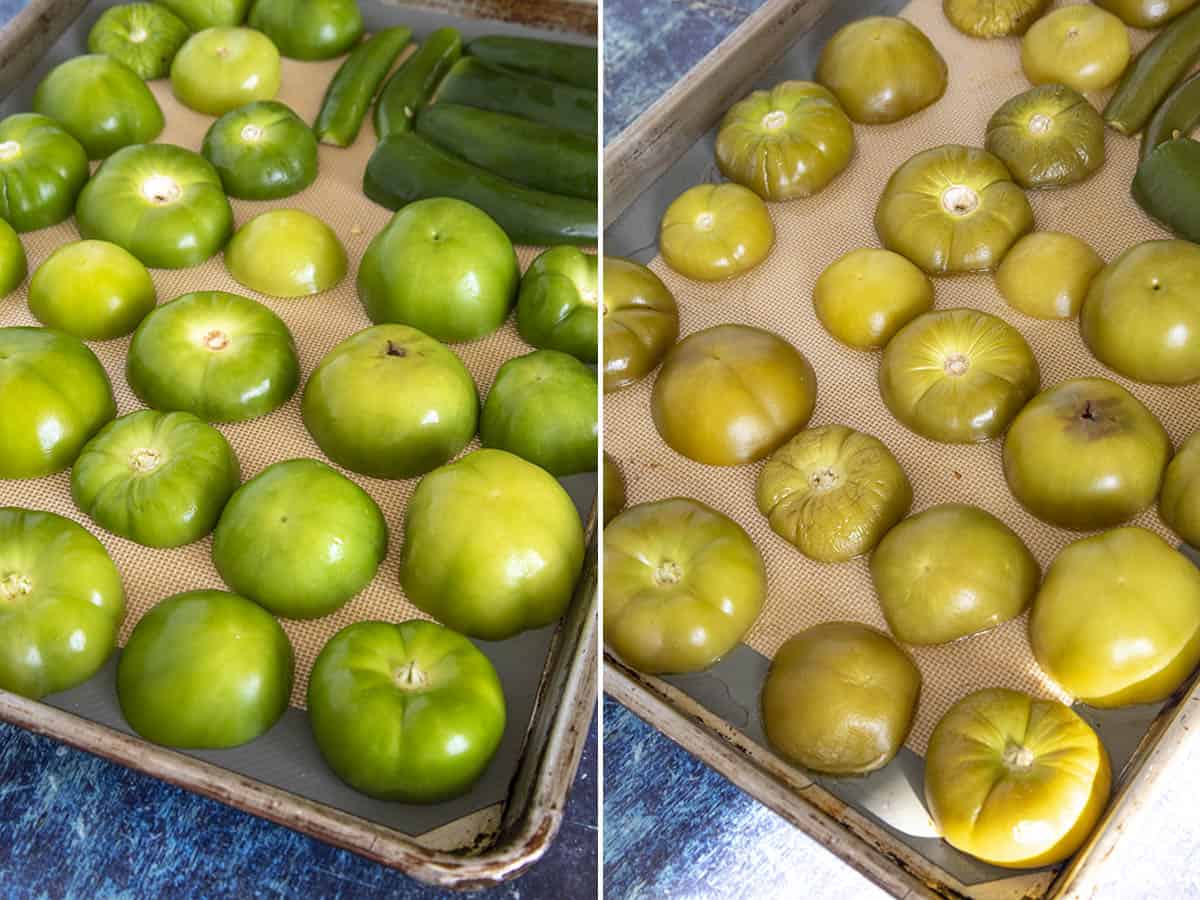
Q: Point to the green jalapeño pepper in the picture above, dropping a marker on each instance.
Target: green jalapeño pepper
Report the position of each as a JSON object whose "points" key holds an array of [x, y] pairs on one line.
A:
{"points": [[1167, 183], [573, 64], [415, 81], [355, 85], [1156, 70]]}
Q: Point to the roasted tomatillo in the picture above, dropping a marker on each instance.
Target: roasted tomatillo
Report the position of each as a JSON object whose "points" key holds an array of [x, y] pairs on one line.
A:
{"points": [[1085, 454], [682, 585], [866, 296], [951, 571], [1048, 136], [731, 394], [785, 143], [993, 18], [614, 490], [1141, 317], [641, 322], [1117, 620], [833, 492], [715, 231], [952, 209], [1179, 503], [957, 375], [1046, 274], [1014, 781], [840, 699], [1080, 46], [882, 69]]}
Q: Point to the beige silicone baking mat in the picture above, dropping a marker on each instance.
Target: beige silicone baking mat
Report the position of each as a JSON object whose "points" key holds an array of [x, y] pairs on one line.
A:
{"points": [[317, 323], [777, 296]]}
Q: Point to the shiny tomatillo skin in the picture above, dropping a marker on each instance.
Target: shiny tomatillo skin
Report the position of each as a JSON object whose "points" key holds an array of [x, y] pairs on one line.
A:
{"points": [[732, 394], [61, 603], [1014, 781], [493, 546], [683, 583], [951, 571], [410, 712], [1117, 620]]}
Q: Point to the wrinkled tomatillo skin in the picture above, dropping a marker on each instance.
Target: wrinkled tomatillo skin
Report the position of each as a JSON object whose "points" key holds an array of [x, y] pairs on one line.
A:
{"points": [[952, 209], [833, 492], [785, 143], [683, 583]]}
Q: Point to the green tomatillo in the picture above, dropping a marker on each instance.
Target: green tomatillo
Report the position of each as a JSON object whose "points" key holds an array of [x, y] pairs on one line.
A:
{"points": [[300, 539], [54, 395], [286, 253], [412, 712], [222, 357], [558, 304], [220, 69], [443, 266], [205, 670], [102, 103], [94, 290], [262, 151], [493, 546], [143, 36], [42, 170], [160, 479], [61, 603], [543, 407], [162, 203], [391, 402]]}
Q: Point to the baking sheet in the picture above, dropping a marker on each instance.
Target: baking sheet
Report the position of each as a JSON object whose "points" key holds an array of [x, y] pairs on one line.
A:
{"points": [[287, 757], [778, 296]]}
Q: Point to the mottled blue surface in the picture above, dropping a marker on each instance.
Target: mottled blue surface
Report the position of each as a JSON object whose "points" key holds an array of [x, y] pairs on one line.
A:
{"points": [[650, 44], [75, 826], [674, 828], [9, 8]]}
